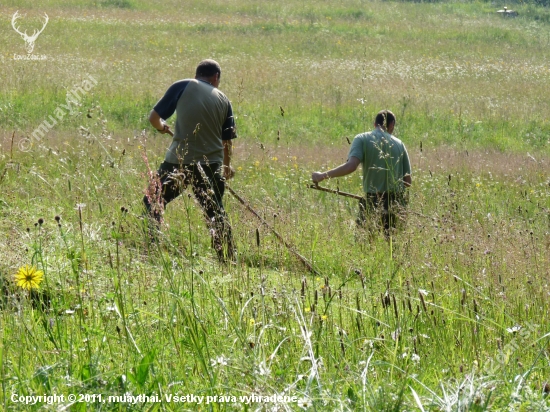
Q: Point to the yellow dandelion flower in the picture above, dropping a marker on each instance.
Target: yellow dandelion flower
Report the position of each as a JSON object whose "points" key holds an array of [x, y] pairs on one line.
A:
{"points": [[274, 159], [324, 317], [307, 310], [28, 277], [239, 168], [257, 163], [251, 322], [478, 184]]}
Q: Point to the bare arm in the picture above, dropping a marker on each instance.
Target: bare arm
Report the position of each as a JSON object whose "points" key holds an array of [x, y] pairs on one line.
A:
{"points": [[345, 169], [158, 123], [228, 171]]}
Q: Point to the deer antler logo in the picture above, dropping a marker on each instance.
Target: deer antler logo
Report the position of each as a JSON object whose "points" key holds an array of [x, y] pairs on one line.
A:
{"points": [[29, 40]]}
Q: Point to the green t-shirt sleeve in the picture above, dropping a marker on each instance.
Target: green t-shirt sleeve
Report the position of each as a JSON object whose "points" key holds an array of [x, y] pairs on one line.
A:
{"points": [[356, 149]]}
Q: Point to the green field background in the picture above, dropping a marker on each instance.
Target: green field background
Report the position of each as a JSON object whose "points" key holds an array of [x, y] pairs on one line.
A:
{"points": [[454, 73]]}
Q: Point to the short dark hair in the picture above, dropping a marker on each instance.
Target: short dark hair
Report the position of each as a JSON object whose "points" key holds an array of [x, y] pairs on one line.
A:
{"points": [[208, 68], [384, 118]]}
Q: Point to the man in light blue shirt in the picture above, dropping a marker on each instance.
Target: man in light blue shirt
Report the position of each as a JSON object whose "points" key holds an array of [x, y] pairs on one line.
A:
{"points": [[386, 169]]}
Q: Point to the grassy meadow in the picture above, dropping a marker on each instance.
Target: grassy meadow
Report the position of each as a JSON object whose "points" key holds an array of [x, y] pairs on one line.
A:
{"points": [[451, 314]]}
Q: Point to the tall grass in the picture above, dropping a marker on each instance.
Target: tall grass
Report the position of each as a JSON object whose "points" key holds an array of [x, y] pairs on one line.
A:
{"points": [[441, 311]]}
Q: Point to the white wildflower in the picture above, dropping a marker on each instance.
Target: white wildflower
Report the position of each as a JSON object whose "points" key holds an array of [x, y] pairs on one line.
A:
{"points": [[304, 403], [220, 360], [513, 329]]}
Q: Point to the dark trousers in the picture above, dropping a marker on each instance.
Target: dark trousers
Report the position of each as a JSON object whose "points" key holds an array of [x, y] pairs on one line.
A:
{"points": [[208, 187], [386, 206]]}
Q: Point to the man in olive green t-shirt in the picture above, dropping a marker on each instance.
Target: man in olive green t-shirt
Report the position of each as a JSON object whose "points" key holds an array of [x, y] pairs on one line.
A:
{"points": [[386, 168], [200, 153]]}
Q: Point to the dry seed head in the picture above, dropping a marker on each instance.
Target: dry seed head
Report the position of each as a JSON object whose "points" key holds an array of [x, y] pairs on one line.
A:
{"points": [[395, 307]]}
